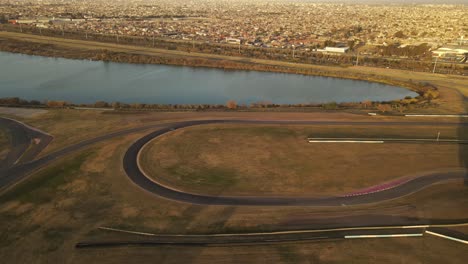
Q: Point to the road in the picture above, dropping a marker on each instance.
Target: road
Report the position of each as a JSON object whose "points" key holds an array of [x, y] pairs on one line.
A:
{"points": [[26, 142]]}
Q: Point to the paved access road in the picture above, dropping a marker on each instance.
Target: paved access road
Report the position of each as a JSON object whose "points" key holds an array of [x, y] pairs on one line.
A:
{"points": [[26, 142]]}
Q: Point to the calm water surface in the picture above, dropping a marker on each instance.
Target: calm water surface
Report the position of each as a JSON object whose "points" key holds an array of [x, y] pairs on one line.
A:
{"points": [[82, 81]]}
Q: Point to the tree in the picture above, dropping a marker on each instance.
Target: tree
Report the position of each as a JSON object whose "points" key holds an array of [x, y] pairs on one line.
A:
{"points": [[384, 108], [231, 104], [330, 106], [366, 103], [56, 103], [101, 104], [116, 105]]}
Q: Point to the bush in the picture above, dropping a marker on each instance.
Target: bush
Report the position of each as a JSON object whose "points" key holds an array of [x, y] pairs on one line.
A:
{"points": [[330, 106], [384, 108], [231, 104]]}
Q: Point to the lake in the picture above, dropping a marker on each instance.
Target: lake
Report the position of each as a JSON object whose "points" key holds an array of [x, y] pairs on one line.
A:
{"points": [[83, 81]]}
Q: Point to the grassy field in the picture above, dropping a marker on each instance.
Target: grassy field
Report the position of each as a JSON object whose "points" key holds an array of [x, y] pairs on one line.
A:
{"points": [[43, 217], [278, 160]]}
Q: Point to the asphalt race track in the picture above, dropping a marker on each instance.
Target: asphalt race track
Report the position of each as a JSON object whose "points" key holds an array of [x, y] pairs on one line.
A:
{"points": [[133, 171]]}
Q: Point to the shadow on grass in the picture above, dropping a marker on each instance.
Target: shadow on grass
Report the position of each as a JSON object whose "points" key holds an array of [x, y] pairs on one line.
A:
{"points": [[463, 151]]}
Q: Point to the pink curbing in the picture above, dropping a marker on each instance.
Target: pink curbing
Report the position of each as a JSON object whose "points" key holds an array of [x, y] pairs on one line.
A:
{"points": [[380, 187]]}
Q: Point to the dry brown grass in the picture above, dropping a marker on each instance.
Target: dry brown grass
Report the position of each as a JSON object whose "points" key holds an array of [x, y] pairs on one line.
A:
{"points": [[278, 160], [22, 112], [42, 219]]}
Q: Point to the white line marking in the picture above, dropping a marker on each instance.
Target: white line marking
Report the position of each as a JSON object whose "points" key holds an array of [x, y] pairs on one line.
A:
{"points": [[381, 236], [447, 237], [347, 141], [416, 226], [420, 115], [126, 231]]}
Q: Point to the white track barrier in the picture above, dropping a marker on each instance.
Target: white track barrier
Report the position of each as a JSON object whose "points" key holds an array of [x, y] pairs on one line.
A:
{"points": [[384, 236], [447, 237]]}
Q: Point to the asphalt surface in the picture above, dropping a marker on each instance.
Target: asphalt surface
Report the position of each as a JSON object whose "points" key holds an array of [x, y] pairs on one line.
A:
{"points": [[239, 239], [23, 146]]}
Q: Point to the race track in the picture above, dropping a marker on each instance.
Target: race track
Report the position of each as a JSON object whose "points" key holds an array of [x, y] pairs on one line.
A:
{"points": [[138, 177]]}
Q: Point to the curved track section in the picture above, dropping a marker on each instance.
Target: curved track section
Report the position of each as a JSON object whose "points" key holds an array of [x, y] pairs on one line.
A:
{"points": [[137, 176]]}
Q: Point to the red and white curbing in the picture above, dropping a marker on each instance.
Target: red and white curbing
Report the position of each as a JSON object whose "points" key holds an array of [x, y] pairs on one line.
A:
{"points": [[379, 188]]}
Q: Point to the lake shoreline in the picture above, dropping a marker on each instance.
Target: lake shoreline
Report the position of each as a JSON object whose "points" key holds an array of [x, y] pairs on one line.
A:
{"points": [[57, 51], [97, 54]]}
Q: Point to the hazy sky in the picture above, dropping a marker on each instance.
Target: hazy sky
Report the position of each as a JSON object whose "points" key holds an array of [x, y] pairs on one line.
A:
{"points": [[392, 1]]}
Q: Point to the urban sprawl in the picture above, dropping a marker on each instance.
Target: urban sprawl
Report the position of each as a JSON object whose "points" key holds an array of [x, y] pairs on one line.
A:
{"points": [[367, 29]]}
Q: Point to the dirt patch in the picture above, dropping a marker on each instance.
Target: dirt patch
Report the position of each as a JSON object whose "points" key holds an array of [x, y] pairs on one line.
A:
{"points": [[22, 112]]}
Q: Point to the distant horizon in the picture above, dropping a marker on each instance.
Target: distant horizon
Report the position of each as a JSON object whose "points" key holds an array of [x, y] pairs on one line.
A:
{"points": [[440, 2]]}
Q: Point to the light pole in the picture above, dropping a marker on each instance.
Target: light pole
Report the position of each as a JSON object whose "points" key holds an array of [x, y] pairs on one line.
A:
{"points": [[435, 64]]}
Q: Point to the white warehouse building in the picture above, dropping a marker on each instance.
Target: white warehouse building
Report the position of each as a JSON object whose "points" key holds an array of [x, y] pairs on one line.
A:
{"points": [[334, 49]]}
